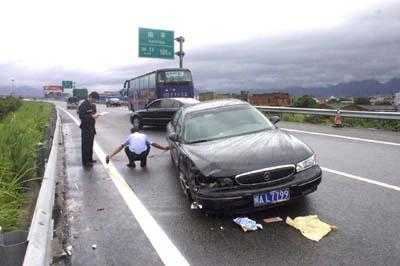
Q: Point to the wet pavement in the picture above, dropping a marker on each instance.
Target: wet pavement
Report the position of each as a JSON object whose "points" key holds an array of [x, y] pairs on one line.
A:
{"points": [[367, 215]]}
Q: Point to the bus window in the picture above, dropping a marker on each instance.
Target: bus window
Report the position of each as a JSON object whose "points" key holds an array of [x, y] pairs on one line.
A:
{"points": [[140, 83], [145, 82], [177, 76], [152, 80]]}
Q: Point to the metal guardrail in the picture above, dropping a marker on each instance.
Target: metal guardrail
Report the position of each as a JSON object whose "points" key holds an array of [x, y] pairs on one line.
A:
{"points": [[38, 252], [330, 112]]}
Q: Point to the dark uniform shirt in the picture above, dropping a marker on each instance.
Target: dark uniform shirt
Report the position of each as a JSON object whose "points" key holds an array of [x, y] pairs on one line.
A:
{"points": [[86, 110]]}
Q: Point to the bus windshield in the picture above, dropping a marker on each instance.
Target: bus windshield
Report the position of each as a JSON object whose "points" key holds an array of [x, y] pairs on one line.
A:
{"points": [[172, 76]]}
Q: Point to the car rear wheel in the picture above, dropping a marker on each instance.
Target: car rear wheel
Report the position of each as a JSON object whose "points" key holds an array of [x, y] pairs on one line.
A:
{"points": [[137, 123]]}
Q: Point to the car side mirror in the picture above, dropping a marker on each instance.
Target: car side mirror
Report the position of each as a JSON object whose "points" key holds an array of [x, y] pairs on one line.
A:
{"points": [[274, 119], [173, 137]]}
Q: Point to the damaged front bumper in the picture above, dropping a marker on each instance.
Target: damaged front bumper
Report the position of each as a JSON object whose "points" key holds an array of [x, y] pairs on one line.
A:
{"points": [[241, 199]]}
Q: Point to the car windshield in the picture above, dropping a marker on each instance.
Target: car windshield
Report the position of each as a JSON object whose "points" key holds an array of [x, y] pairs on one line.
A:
{"points": [[224, 122]]}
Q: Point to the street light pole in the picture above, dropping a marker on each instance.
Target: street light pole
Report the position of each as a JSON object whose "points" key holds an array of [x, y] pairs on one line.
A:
{"points": [[180, 53]]}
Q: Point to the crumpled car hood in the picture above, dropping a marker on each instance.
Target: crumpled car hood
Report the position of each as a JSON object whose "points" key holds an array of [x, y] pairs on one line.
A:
{"points": [[236, 155]]}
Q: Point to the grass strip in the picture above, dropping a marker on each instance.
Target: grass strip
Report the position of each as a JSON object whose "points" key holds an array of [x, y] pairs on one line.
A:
{"points": [[21, 131]]}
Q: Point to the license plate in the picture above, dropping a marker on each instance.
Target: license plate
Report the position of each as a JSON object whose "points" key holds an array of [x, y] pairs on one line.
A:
{"points": [[271, 197]]}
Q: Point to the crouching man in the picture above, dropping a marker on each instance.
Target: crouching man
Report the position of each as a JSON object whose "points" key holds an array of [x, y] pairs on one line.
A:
{"points": [[137, 148]]}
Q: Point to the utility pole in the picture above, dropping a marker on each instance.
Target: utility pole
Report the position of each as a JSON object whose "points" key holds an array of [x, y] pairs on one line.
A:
{"points": [[180, 53]]}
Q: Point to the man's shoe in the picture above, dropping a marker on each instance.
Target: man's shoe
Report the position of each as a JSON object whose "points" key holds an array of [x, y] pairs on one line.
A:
{"points": [[131, 165], [143, 163]]}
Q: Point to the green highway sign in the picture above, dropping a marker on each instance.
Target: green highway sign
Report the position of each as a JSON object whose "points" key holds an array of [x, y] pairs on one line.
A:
{"points": [[156, 43], [67, 84]]}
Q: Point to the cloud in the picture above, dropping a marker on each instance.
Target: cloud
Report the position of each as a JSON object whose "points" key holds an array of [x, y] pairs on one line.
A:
{"points": [[365, 47]]}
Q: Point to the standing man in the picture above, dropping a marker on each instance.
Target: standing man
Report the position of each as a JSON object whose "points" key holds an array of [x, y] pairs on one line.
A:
{"points": [[137, 148], [88, 115]]}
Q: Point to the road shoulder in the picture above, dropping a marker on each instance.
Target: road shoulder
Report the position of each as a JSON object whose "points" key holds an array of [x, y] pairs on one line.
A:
{"points": [[101, 230]]}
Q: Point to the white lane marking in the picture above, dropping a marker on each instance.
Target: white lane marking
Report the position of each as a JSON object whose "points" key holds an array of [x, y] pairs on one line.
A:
{"points": [[168, 252], [343, 137], [363, 179]]}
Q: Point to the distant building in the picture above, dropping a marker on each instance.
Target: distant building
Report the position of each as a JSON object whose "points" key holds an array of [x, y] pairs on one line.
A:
{"points": [[53, 91], [397, 99], [381, 100], [271, 99]]}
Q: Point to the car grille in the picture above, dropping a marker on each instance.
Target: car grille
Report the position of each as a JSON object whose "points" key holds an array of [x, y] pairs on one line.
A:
{"points": [[270, 175]]}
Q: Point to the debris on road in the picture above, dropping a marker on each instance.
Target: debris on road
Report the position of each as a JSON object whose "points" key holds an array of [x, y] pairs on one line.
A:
{"points": [[247, 224], [195, 206], [272, 220], [100, 209], [311, 226], [94, 246], [69, 250]]}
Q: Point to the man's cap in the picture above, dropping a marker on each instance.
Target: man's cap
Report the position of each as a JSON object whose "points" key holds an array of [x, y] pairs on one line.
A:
{"points": [[94, 95]]}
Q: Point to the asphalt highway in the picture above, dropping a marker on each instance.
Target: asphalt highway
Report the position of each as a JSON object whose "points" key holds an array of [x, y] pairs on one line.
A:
{"points": [[359, 193]]}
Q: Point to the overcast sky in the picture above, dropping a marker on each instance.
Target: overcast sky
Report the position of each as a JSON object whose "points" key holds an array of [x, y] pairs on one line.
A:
{"points": [[230, 44]]}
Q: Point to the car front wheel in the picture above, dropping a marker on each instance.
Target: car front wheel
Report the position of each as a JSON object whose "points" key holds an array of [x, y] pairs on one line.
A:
{"points": [[184, 185], [136, 122]]}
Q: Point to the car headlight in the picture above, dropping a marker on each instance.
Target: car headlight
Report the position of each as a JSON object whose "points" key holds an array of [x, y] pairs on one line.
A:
{"points": [[307, 163], [211, 182]]}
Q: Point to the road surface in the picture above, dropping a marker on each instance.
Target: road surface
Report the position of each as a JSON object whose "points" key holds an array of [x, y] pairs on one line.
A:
{"points": [[140, 217]]}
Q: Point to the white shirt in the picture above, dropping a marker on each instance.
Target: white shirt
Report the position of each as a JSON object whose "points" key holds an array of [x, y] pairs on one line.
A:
{"points": [[137, 142]]}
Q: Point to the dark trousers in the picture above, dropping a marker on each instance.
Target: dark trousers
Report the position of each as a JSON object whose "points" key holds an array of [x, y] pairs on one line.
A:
{"points": [[87, 137], [132, 157]]}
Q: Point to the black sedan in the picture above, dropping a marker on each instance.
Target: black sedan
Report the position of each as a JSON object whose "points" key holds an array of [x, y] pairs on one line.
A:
{"points": [[159, 112], [113, 102], [229, 157]]}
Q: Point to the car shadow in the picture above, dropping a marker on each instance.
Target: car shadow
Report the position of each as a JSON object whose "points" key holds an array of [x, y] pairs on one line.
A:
{"points": [[154, 129]]}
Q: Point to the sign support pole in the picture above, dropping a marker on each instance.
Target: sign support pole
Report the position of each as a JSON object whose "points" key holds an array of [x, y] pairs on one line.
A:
{"points": [[180, 53]]}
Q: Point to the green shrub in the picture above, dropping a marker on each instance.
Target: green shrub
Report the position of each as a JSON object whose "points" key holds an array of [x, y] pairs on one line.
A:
{"points": [[293, 117], [372, 123], [8, 104], [305, 101], [317, 119], [20, 133], [393, 125]]}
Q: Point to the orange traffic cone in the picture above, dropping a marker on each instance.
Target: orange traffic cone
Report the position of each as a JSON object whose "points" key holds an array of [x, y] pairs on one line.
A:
{"points": [[338, 119]]}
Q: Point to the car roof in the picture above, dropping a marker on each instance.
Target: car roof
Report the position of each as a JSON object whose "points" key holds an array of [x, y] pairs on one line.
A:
{"points": [[183, 100], [173, 69], [214, 104], [186, 101]]}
